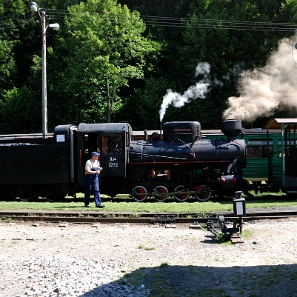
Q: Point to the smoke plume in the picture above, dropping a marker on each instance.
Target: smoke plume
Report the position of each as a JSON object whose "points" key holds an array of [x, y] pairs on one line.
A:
{"points": [[197, 91], [262, 91]]}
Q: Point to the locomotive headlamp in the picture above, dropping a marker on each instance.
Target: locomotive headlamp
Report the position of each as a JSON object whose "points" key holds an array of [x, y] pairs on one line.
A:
{"points": [[239, 205]]}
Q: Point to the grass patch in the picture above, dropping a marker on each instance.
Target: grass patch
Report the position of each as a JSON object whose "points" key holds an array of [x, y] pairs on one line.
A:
{"points": [[6, 220], [146, 248], [221, 238], [246, 234], [124, 204], [164, 265]]}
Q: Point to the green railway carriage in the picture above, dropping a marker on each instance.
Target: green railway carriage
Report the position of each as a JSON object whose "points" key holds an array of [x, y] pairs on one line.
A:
{"points": [[284, 175], [263, 156]]}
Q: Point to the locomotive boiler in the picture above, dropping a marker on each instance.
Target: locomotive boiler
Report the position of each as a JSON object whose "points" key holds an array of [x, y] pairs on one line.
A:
{"points": [[178, 163]]}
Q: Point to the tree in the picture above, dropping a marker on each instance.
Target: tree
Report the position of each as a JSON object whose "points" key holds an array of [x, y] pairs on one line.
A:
{"points": [[11, 24], [7, 67], [104, 40], [141, 110], [228, 51]]}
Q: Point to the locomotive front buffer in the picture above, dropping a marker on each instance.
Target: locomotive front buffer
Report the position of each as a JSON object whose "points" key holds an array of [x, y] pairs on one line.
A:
{"points": [[230, 233]]}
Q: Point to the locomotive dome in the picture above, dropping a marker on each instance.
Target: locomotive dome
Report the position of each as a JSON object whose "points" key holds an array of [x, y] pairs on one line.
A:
{"points": [[184, 131]]}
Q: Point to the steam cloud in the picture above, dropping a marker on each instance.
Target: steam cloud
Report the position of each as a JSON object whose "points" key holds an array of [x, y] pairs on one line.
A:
{"points": [[197, 91], [262, 91]]}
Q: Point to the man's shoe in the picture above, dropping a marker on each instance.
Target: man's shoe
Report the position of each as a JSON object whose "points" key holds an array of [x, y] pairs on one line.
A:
{"points": [[87, 205], [100, 206]]}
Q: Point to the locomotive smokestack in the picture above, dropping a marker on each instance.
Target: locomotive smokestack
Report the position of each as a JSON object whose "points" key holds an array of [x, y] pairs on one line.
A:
{"points": [[161, 136], [231, 128]]}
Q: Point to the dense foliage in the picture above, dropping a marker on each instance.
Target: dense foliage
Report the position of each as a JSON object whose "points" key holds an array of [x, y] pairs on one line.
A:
{"points": [[131, 52]]}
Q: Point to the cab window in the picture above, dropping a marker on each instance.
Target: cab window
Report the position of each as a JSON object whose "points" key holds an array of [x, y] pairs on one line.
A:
{"points": [[111, 144]]}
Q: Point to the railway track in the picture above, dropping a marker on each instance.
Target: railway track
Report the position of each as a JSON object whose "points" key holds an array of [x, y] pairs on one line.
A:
{"points": [[136, 218]]}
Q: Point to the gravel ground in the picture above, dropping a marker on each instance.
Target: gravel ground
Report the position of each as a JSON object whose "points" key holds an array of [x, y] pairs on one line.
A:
{"points": [[147, 260]]}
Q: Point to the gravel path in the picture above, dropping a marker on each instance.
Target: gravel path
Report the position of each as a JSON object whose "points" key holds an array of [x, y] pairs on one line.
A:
{"points": [[147, 260]]}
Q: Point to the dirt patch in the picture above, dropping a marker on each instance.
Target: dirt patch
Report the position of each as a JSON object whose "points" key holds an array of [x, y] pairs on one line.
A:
{"points": [[165, 261]]}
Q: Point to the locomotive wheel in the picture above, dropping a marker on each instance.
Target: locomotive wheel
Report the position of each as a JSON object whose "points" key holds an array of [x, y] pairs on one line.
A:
{"points": [[181, 197], [139, 193], [160, 193], [51, 197], [203, 193], [25, 198], [24, 195]]}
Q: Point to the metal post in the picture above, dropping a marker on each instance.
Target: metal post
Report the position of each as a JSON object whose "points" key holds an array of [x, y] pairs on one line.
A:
{"points": [[44, 79], [283, 155], [41, 16], [109, 103]]}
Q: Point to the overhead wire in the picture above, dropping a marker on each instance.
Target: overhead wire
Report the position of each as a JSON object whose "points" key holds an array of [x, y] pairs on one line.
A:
{"points": [[173, 22], [218, 24]]}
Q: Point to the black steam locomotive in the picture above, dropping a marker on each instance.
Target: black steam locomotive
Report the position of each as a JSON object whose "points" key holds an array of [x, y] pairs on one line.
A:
{"points": [[177, 163]]}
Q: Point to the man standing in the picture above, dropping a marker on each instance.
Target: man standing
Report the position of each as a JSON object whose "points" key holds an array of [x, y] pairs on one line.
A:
{"points": [[92, 171]]}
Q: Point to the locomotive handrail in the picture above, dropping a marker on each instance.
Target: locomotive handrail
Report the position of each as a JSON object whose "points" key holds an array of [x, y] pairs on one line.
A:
{"points": [[174, 158], [157, 156], [231, 165], [26, 136]]}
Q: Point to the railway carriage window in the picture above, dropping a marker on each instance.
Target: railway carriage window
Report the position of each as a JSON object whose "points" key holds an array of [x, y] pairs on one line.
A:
{"points": [[259, 149], [111, 144], [255, 152]]}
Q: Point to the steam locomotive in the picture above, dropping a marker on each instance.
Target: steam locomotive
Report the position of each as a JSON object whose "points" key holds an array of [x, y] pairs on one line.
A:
{"points": [[177, 163]]}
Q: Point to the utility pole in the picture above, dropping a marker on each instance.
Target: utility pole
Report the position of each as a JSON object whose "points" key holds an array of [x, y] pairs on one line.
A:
{"points": [[109, 102], [41, 16]]}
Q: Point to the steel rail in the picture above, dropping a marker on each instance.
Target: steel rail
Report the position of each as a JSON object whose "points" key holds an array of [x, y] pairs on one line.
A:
{"points": [[140, 214], [136, 218]]}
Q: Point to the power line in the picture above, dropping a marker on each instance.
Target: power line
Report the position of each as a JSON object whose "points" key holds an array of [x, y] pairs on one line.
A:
{"points": [[161, 21], [217, 24]]}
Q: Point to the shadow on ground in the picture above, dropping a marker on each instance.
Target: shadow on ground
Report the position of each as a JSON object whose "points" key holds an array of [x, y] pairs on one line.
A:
{"points": [[194, 281]]}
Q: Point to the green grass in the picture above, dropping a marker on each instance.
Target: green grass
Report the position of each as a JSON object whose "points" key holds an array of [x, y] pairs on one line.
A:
{"points": [[246, 234], [128, 205], [146, 248]]}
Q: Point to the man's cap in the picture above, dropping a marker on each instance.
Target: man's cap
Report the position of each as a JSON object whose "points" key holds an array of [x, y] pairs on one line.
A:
{"points": [[95, 154]]}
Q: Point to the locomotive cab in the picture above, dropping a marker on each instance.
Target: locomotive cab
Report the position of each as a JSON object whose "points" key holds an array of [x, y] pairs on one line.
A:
{"points": [[112, 141]]}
